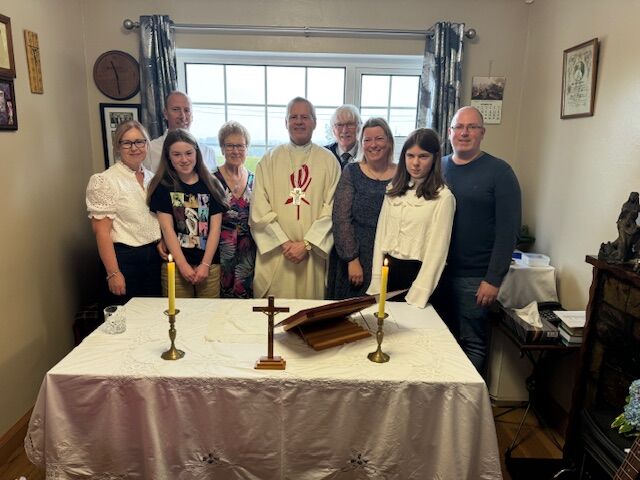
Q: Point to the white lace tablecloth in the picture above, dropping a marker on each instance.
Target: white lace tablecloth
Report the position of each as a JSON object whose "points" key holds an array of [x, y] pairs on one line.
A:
{"points": [[113, 409]]}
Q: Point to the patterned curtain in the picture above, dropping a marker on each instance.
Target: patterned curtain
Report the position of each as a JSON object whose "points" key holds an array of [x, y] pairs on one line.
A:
{"points": [[439, 93], [158, 67]]}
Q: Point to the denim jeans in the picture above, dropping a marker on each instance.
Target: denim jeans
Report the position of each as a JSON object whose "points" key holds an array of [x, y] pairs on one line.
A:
{"points": [[140, 267], [455, 302]]}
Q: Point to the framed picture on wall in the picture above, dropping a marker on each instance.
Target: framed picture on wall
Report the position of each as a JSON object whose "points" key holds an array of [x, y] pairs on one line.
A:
{"points": [[111, 115], [579, 71], [7, 64], [8, 113]]}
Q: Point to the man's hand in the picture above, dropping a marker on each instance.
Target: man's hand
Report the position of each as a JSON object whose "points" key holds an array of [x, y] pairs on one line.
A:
{"points": [[294, 251], [486, 294]]}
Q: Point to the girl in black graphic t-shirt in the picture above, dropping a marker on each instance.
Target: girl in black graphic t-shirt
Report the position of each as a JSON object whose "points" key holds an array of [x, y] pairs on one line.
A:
{"points": [[189, 203]]}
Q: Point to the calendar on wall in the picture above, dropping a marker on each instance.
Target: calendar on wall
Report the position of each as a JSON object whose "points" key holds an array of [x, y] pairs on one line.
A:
{"points": [[486, 95]]}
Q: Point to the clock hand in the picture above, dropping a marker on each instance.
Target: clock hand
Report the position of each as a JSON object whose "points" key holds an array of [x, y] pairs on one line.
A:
{"points": [[115, 71]]}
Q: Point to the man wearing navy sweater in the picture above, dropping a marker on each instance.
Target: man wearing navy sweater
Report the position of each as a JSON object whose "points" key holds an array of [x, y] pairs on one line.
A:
{"points": [[485, 232]]}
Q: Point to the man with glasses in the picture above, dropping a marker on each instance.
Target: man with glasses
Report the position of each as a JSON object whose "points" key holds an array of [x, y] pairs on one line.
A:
{"points": [[485, 231], [345, 125], [178, 114], [291, 207]]}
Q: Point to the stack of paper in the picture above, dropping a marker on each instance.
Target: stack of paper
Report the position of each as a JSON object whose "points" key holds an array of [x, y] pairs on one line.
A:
{"points": [[571, 326]]}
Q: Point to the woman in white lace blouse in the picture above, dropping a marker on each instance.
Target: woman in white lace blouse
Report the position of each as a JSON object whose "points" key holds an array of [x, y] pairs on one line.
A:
{"points": [[126, 231]]}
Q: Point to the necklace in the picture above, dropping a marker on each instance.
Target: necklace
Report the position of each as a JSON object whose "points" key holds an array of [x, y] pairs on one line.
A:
{"points": [[235, 184], [375, 175]]}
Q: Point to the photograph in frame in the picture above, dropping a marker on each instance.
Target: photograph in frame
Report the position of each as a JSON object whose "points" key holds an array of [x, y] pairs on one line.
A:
{"points": [[579, 72], [8, 112], [111, 115], [7, 63]]}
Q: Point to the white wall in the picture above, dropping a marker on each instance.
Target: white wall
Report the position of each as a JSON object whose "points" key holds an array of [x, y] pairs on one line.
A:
{"points": [[576, 173], [45, 234]]}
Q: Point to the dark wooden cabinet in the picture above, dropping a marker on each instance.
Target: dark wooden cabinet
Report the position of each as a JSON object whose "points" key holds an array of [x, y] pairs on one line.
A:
{"points": [[609, 362]]}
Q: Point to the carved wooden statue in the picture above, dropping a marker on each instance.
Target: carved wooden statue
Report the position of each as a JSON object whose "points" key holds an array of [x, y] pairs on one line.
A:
{"points": [[627, 246]]}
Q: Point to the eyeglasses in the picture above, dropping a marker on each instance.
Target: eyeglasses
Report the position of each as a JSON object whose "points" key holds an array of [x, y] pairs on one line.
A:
{"points": [[378, 139], [472, 127], [128, 144], [349, 125], [234, 146]]}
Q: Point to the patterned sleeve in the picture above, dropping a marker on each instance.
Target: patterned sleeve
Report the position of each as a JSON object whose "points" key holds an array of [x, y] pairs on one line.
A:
{"points": [[101, 197], [344, 235]]}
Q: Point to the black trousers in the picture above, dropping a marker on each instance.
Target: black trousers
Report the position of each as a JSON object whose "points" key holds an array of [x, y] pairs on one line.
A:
{"points": [[402, 273], [140, 267]]}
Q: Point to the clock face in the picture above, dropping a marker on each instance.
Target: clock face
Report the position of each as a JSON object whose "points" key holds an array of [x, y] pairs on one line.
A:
{"points": [[117, 75]]}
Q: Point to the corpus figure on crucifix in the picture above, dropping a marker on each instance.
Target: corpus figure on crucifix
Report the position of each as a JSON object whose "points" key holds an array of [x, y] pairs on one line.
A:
{"points": [[271, 362], [291, 208]]}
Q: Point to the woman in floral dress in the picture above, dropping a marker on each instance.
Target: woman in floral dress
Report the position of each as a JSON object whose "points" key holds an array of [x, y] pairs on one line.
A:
{"points": [[237, 248]]}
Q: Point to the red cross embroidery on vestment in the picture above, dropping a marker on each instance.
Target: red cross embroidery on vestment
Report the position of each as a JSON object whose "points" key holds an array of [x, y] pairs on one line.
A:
{"points": [[299, 186]]}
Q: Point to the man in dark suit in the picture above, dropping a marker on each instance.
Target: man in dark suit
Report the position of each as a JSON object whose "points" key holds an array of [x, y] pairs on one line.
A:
{"points": [[346, 125]]}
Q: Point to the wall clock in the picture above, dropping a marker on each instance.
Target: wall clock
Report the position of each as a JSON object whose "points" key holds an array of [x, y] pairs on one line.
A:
{"points": [[117, 75]]}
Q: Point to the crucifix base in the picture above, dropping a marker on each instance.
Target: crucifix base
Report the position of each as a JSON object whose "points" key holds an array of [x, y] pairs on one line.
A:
{"points": [[275, 363]]}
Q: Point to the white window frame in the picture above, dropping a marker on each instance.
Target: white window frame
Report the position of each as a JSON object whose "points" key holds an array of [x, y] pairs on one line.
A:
{"points": [[355, 65]]}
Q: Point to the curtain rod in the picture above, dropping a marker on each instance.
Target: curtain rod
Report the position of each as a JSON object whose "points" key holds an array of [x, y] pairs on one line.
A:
{"points": [[301, 31]]}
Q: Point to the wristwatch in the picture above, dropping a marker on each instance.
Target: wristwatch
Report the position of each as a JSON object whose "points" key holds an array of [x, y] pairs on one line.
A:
{"points": [[307, 246]]}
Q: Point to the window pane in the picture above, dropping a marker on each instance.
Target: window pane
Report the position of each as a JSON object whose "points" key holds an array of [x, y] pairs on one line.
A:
{"points": [[205, 83], [207, 120], [375, 91], [284, 83], [325, 86], [252, 118], [404, 91], [367, 113], [402, 121], [323, 135], [277, 131], [245, 84]]}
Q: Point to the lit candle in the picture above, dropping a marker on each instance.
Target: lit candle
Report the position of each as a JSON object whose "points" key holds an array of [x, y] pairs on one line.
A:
{"points": [[383, 287], [171, 281]]}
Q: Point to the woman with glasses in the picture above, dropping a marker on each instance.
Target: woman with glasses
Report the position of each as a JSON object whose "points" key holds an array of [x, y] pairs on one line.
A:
{"points": [[415, 222], [126, 231], [237, 248], [356, 207]]}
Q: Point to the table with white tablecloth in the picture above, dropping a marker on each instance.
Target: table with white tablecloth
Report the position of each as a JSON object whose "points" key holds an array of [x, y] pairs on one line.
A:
{"points": [[113, 408]]}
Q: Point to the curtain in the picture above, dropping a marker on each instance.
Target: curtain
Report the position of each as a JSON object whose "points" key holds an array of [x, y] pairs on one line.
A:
{"points": [[439, 92], [158, 67]]}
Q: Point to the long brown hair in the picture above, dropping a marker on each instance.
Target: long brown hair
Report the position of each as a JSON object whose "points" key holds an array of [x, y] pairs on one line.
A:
{"points": [[428, 140], [167, 175]]}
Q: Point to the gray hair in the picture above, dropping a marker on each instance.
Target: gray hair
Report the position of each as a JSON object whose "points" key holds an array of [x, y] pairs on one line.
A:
{"points": [[233, 128], [349, 111], [312, 109]]}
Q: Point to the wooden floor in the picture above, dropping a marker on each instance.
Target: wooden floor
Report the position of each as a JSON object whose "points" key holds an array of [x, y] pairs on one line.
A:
{"points": [[534, 442]]}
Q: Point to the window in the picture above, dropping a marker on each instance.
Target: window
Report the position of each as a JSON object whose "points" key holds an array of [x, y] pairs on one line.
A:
{"points": [[254, 89]]}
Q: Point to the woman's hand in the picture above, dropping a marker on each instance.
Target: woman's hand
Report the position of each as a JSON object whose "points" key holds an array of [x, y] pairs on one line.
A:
{"points": [[356, 274], [116, 284], [201, 273]]}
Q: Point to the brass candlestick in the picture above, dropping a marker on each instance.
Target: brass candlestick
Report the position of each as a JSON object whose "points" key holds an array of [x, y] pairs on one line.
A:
{"points": [[379, 356], [173, 353]]}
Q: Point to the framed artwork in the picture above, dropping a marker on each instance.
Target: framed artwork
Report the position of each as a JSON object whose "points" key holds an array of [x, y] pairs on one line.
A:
{"points": [[112, 114], [33, 61], [7, 64], [8, 113], [579, 71]]}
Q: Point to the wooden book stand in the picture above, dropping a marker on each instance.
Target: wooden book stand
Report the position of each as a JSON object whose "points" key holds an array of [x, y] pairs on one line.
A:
{"points": [[329, 325]]}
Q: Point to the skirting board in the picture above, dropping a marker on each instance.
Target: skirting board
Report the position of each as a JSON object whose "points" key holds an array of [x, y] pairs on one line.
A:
{"points": [[14, 437]]}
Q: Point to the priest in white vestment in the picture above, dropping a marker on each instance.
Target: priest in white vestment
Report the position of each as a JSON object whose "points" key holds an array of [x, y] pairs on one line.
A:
{"points": [[291, 207]]}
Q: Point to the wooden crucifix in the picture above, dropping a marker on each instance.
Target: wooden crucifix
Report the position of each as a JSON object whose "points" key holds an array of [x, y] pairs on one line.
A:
{"points": [[271, 362]]}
